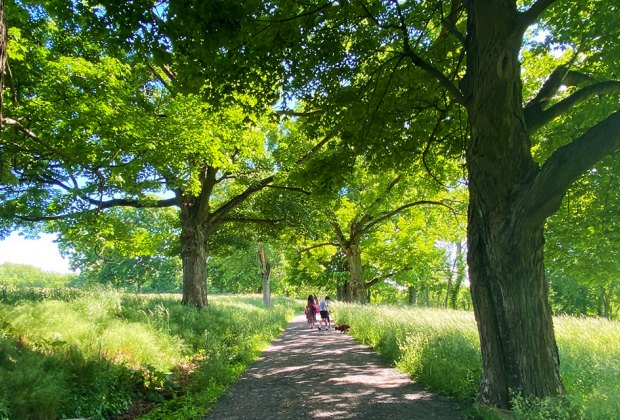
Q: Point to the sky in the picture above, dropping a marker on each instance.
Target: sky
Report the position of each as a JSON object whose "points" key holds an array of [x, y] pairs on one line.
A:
{"points": [[42, 253]]}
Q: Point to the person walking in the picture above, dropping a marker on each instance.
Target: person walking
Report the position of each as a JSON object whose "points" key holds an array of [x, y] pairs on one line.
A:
{"points": [[324, 310], [311, 311]]}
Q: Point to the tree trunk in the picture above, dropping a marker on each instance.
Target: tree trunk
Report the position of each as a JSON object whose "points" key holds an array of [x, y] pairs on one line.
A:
{"points": [[265, 272], [451, 273], [427, 300], [357, 291], [342, 292], [194, 253], [508, 285], [413, 295], [460, 276]]}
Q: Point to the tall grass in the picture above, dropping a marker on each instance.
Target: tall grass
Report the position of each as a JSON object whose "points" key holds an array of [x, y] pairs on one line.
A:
{"points": [[95, 354], [440, 348]]}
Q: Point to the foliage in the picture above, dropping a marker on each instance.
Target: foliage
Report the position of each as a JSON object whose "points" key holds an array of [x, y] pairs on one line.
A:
{"points": [[583, 245], [93, 355], [440, 348], [26, 275], [114, 130], [393, 221], [12, 295]]}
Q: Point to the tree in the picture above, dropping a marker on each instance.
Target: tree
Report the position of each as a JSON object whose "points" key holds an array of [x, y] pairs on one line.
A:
{"points": [[355, 213], [582, 247], [85, 133], [27, 275], [128, 247], [361, 57]]}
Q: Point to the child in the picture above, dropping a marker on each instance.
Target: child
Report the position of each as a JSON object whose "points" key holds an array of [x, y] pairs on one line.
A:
{"points": [[325, 313]]}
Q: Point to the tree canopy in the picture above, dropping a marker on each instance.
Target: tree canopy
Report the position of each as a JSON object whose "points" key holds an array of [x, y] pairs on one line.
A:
{"points": [[226, 110]]}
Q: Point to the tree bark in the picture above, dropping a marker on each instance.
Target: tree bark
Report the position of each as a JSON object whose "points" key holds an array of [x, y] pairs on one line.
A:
{"points": [[357, 289], [508, 285], [194, 253]]}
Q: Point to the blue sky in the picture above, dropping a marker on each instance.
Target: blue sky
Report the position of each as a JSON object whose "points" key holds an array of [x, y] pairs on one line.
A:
{"points": [[42, 253]]}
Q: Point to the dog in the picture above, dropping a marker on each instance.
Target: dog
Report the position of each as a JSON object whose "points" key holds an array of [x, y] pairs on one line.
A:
{"points": [[342, 328]]}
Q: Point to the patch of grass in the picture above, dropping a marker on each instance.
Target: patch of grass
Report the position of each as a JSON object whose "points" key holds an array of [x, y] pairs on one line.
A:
{"points": [[440, 348], [94, 355], [436, 347], [590, 368]]}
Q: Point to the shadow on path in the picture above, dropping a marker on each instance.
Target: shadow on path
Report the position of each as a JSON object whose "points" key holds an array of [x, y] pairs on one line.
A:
{"points": [[310, 374]]}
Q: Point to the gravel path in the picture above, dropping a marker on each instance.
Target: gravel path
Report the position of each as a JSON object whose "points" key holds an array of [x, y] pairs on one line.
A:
{"points": [[310, 374]]}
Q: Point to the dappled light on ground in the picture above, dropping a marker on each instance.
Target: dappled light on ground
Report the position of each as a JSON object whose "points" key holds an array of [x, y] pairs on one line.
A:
{"points": [[325, 374]]}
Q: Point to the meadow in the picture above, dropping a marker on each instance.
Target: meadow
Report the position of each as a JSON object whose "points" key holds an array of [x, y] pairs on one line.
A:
{"points": [[440, 348], [66, 353]]}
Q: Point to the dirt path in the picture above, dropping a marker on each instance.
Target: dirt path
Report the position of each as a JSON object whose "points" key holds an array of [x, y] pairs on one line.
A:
{"points": [[308, 374]]}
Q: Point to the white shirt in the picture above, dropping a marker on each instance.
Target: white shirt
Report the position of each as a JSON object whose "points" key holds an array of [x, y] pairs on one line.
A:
{"points": [[323, 305]]}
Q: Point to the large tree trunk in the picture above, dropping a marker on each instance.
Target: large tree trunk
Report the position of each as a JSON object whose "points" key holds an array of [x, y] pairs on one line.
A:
{"points": [[508, 285], [194, 253], [357, 290]]}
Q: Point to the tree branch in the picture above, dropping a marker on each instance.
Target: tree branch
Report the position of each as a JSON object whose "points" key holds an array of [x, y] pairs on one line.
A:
{"points": [[550, 87], [529, 16], [339, 233], [565, 165], [100, 205], [408, 51], [124, 202], [385, 193], [45, 218], [318, 246], [315, 149], [240, 198], [535, 120], [448, 24], [291, 113], [387, 215], [250, 220], [30, 134], [282, 187], [377, 279], [158, 76], [427, 67]]}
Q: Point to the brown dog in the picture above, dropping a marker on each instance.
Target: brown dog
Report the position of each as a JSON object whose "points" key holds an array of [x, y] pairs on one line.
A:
{"points": [[342, 328]]}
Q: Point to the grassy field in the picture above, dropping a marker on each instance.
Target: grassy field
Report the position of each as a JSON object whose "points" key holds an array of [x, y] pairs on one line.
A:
{"points": [[440, 348], [68, 353]]}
